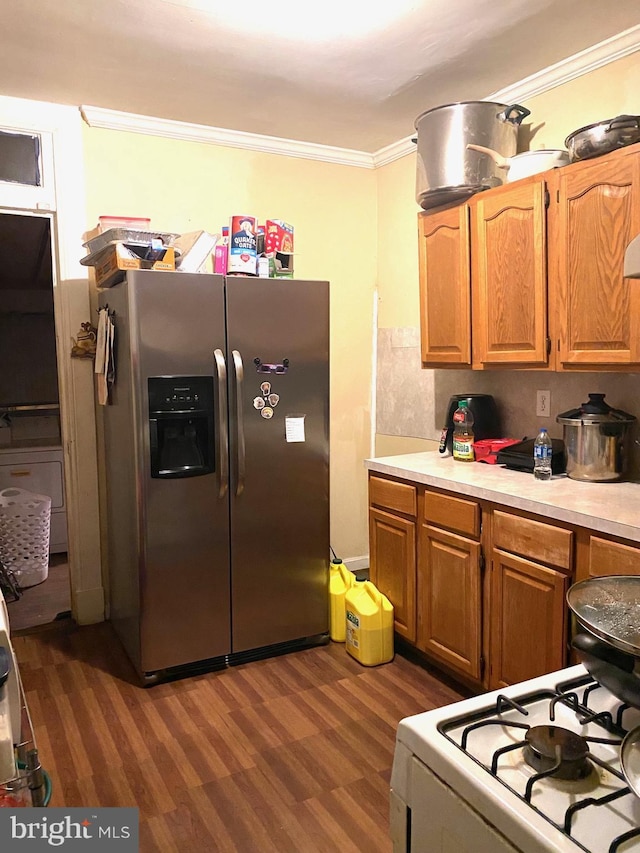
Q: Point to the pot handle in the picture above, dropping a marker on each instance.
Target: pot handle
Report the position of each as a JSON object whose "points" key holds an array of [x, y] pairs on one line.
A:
{"points": [[623, 122], [590, 645], [521, 113], [500, 161]]}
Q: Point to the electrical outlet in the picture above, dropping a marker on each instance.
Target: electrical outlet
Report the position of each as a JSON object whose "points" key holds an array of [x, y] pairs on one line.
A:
{"points": [[543, 404]]}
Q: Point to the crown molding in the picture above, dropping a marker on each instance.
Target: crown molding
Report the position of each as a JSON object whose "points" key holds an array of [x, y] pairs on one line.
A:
{"points": [[603, 53], [168, 128], [394, 151], [568, 69]]}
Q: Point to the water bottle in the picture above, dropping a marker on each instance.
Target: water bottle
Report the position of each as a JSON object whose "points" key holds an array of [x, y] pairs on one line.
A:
{"points": [[542, 450], [463, 433]]}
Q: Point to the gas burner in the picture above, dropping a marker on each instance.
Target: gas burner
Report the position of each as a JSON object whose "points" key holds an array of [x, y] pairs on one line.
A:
{"points": [[557, 751]]}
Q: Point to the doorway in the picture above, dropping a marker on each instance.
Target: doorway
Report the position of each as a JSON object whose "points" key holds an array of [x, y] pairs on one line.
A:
{"points": [[36, 581]]}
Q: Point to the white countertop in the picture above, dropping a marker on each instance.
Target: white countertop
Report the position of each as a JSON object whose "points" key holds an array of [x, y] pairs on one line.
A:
{"points": [[612, 508]]}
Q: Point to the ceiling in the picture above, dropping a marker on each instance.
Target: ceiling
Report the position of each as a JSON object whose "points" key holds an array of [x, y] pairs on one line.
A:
{"points": [[350, 73]]}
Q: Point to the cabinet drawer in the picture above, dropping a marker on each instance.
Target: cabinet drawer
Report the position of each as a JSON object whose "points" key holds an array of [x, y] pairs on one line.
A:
{"points": [[452, 513], [612, 558], [400, 497], [533, 539]]}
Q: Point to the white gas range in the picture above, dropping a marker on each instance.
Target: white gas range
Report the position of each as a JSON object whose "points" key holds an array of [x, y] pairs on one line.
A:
{"points": [[475, 777]]}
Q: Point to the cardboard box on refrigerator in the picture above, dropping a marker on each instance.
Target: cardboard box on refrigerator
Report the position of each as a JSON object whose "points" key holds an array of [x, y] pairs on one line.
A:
{"points": [[113, 262]]}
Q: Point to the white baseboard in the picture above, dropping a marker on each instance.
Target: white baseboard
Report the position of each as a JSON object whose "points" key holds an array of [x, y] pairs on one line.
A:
{"points": [[354, 564], [89, 606]]}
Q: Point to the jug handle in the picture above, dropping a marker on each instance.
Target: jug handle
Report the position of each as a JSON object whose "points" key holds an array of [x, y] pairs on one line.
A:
{"points": [[373, 592], [501, 162]]}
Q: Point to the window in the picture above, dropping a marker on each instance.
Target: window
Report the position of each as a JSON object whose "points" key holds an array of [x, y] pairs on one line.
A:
{"points": [[20, 158]]}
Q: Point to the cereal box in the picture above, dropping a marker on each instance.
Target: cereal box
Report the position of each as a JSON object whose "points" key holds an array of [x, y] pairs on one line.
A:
{"points": [[243, 258]]}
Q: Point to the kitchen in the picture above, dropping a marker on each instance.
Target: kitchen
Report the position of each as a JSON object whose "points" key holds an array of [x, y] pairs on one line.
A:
{"points": [[121, 173]]}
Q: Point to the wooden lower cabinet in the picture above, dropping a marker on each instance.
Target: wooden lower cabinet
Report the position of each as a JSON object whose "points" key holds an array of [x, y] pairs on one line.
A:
{"points": [[528, 620], [392, 555], [449, 599]]}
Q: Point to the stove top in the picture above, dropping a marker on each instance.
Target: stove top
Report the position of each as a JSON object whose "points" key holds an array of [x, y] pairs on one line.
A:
{"points": [[539, 760]]}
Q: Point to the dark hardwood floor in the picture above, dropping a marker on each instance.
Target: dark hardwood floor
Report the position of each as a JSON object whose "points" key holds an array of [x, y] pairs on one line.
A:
{"points": [[41, 604], [292, 754]]}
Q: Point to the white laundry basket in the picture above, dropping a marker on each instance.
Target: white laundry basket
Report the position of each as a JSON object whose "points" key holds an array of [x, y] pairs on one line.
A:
{"points": [[25, 525]]}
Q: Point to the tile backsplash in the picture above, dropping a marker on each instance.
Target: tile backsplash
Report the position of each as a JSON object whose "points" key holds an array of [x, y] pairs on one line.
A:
{"points": [[413, 402]]}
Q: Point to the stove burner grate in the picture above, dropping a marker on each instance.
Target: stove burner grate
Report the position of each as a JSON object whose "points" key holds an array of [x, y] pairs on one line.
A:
{"points": [[553, 751]]}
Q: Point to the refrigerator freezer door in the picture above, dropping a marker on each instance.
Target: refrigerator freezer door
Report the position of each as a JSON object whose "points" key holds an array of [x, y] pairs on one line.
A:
{"points": [[178, 323], [278, 361]]}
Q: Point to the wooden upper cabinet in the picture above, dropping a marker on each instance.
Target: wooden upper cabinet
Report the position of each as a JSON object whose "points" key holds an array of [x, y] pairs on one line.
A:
{"points": [[509, 273], [445, 287], [598, 213]]}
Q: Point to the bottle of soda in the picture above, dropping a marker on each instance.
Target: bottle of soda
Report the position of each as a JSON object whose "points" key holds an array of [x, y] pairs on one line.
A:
{"points": [[542, 450], [463, 433]]}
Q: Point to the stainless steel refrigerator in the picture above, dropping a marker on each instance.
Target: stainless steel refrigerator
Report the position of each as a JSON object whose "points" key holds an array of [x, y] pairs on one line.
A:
{"points": [[217, 468]]}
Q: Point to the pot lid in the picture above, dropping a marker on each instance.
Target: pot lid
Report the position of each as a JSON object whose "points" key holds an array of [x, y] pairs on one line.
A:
{"points": [[595, 411], [609, 607]]}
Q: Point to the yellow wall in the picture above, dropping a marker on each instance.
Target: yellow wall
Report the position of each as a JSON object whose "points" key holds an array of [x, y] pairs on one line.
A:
{"points": [[185, 186]]}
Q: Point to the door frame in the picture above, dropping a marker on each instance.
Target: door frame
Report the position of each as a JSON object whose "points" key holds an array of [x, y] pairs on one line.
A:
{"points": [[63, 197]]}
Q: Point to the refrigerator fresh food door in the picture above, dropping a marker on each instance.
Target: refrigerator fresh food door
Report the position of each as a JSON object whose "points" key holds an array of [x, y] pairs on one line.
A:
{"points": [[178, 325], [278, 361]]}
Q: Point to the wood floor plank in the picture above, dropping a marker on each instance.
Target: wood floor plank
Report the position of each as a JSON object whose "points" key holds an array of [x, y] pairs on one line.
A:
{"points": [[292, 754]]}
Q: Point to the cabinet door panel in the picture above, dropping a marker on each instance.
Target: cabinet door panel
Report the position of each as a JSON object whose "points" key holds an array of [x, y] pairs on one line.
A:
{"points": [[445, 287], [528, 620], [392, 553], [449, 599], [510, 276], [598, 214]]}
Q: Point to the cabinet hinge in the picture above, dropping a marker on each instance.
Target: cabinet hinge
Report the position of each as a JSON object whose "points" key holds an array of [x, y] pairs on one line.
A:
{"points": [[548, 346], [547, 198]]}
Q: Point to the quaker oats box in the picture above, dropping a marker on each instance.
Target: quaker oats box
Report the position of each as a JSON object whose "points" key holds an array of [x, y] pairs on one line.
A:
{"points": [[243, 257]]}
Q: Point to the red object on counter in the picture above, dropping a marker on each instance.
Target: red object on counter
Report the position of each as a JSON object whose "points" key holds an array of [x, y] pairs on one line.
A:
{"points": [[487, 449]]}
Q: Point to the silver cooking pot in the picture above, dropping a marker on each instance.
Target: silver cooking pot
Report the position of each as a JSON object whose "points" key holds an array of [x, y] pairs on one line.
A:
{"points": [[595, 440], [603, 137], [607, 610], [446, 170]]}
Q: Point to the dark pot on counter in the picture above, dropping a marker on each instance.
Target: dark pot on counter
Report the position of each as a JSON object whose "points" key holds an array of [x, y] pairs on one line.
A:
{"points": [[595, 438]]}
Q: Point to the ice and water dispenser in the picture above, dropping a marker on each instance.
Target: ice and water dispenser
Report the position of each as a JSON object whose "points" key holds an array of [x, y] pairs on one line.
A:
{"points": [[181, 427]]}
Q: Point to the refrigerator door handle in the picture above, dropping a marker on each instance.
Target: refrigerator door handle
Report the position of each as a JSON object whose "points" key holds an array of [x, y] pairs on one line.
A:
{"points": [[240, 453], [222, 430]]}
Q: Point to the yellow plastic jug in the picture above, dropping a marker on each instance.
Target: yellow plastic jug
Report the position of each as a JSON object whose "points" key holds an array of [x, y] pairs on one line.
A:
{"points": [[340, 580], [369, 624]]}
